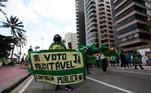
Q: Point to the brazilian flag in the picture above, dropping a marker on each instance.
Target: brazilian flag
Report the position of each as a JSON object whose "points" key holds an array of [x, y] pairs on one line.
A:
{"points": [[107, 51]]}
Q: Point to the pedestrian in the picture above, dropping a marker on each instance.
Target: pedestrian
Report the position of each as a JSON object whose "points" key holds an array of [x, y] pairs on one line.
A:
{"points": [[113, 61], [97, 60], [30, 49], [87, 53], [146, 60], [22, 62], [137, 59], [104, 62], [59, 46], [128, 59], [123, 59], [117, 60]]}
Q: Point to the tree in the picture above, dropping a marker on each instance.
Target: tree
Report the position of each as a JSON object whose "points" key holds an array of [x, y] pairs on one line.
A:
{"points": [[16, 27]]}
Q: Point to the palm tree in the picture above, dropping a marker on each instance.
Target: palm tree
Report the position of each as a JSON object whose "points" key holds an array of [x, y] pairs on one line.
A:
{"points": [[2, 5], [16, 27], [21, 43]]}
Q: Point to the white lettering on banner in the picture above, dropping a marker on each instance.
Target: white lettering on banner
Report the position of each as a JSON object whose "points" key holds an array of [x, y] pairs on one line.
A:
{"points": [[60, 80]]}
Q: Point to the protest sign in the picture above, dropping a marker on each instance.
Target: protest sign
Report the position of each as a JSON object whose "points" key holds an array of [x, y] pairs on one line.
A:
{"points": [[58, 67]]}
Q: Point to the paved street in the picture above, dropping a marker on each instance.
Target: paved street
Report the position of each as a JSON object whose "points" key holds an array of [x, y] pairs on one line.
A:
{"points": [[116, 80]]}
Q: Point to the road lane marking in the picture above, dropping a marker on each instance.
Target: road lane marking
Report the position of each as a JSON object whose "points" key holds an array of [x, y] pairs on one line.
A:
{"points": [[109, 85], [26, 85], [133, 72]]}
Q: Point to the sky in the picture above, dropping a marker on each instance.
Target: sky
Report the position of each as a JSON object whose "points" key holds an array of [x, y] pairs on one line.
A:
{"points": [[42, 19]]}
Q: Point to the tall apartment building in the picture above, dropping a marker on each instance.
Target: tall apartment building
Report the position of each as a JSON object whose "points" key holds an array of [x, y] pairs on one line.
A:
{"points": [[98, 22], [80, 22], [148, 7], [131, 20], [71, 40]]}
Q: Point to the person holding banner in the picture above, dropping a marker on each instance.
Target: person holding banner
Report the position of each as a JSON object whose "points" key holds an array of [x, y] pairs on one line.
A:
{"points": [[58, 45], [57, 65]]}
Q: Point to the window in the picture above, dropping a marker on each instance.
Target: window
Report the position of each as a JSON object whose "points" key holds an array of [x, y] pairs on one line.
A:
{"points": [[110, 23], [141, 17], [108, 10], [110, 27], [140, 9], [108, 6], [130, 37], [107, 2], [109, 14]]}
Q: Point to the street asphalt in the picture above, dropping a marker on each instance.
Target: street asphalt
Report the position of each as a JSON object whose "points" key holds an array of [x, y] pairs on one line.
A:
{"points": [[116, 80]]}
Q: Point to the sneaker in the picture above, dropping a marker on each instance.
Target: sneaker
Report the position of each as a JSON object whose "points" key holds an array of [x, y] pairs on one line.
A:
{"points": [[68, 87]]}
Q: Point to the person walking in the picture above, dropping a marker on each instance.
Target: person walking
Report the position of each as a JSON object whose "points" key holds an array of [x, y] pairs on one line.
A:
{"points": [[22, 62], [104, 62], [137, 60], [123, 60], [97, 60], [128, 59]]}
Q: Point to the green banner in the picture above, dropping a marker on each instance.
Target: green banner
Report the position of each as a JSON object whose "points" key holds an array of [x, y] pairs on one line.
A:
{"points": [[58, 67]]}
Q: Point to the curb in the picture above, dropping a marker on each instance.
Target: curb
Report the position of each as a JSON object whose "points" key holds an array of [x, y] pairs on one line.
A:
{"points": [[9, 89]]}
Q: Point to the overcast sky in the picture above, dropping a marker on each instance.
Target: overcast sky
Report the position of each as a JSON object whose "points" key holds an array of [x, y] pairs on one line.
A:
{"points": [[42, 19]]}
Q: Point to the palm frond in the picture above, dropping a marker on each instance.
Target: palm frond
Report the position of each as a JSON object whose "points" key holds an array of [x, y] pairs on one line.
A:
{"points": [[16, 20], [7, 20], [19, 23], [5, 25], [3, 0], [20, 29], [13, 32], [2, 12], [1, 5]]}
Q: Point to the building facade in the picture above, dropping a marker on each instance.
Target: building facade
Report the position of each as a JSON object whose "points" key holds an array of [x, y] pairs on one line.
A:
{"points": [[80, 22], [98, 22], [71, 40], [132, 23]]}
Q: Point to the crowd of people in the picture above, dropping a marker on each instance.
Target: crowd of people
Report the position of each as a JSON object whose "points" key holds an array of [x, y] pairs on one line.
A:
{"points": [[124, 60]]}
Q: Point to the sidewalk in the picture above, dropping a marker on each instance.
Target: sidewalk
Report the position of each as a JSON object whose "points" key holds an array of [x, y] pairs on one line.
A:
{"points": [[11, 76]]}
